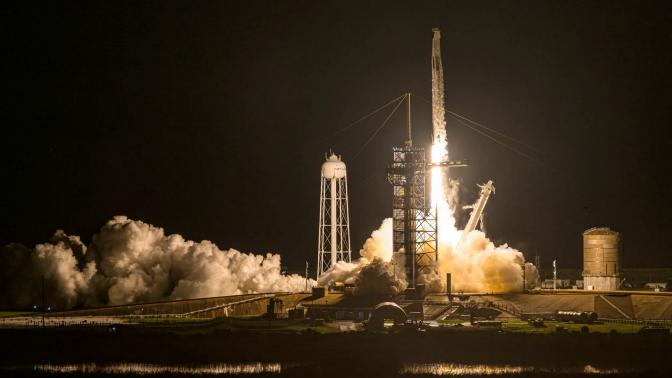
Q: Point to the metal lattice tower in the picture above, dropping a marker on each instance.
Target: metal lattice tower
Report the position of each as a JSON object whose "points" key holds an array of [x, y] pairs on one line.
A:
{"points": [[334, 242], [414, 222]]}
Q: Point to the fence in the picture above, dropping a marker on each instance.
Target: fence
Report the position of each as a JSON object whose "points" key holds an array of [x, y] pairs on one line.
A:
{"points": [[510, 309], [35, 325], [644, 322]]}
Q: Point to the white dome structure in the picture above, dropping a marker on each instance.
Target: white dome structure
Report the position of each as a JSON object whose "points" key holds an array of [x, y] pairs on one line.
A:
{"points": [[333, 167]]}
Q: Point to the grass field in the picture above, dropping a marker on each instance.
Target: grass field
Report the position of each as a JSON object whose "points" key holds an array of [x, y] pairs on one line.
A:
{"points": [[235, 323], [256, 323], [168, 320], [451, 321], [518, 326], [4, 314]]}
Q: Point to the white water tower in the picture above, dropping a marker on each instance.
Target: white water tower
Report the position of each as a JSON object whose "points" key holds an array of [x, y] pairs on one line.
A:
{"points": [[334, 243]]}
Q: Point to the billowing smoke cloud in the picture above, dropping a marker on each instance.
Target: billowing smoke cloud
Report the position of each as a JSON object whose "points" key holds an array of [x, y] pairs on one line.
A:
{"points": [[373, 273], [376, 278], [478, 266], [131, 261]]}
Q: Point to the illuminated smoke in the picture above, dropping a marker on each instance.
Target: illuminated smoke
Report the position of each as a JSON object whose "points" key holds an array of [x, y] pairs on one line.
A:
{"points": [[478, 266], [131, 261], [61, 262], [372, 273]]}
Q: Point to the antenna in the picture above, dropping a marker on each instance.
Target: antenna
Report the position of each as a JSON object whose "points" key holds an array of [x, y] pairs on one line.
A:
{"points": [[409, 117]]}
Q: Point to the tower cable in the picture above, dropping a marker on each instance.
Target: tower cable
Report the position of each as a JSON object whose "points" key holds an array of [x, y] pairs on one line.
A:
{"points": [[505, 145], [367, 182], [356, 122], [491, 130], [381, 126]]}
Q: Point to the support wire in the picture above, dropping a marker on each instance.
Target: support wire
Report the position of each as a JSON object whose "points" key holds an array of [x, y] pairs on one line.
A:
{"points": [[381, 126], [491, 130], [368, 181], [505, 145], [356, 122]]}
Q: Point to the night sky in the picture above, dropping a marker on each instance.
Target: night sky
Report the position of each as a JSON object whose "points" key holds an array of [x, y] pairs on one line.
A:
{"points": [[203, 117]]}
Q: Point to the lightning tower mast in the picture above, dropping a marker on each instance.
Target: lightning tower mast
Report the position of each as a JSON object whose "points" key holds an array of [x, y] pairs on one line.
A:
{"points": [[334, 242]]}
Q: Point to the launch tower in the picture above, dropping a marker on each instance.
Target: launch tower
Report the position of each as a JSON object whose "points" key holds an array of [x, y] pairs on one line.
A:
{"points": [[334, 243], [414, 219]]}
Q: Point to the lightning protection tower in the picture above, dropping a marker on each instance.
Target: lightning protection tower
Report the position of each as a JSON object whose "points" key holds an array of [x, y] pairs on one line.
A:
{"points": [[334, 243]]}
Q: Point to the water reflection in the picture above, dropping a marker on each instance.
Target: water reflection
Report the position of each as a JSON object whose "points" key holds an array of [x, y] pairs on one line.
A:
{"points": [[458, 369], [258, 367], [124, 368]]}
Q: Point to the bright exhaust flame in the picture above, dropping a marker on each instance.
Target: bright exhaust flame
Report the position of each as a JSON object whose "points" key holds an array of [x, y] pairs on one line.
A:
{"points": [[439, 154], [478, 266]]}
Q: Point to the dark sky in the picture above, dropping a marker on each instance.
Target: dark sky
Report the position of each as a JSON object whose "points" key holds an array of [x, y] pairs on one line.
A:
{"points": [[202, 117]]}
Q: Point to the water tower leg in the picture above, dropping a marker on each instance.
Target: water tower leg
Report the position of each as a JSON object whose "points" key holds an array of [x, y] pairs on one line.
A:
{"points": [[334, 232]]}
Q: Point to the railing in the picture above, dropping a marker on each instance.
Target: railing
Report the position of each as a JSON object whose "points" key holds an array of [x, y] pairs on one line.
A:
{"points": [[438, 314], [506, 308], [52, 325], [226, 305], [438, 303], [645, 322]]}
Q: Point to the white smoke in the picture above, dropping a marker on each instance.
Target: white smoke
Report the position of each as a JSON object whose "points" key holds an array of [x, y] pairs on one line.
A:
{"points": [[372, 273], [478, 266], [376, 278], [131, 261]]}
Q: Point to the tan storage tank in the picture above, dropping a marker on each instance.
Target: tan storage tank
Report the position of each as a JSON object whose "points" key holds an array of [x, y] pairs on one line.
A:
{"points": [[601, 258]]}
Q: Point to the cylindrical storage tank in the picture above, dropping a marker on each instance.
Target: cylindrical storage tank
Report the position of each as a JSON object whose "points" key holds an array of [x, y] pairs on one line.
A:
{"points": [[577, 316], [333, 168], [601, 252], [592, 316]]}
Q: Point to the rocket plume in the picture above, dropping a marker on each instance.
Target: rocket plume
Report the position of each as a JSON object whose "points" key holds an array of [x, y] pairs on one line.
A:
{"points": [[478, 266]]}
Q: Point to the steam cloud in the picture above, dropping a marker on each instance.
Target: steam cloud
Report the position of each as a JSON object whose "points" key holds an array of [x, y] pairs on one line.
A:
{"points": [[373, 273], [131, 261], [478, 266]]}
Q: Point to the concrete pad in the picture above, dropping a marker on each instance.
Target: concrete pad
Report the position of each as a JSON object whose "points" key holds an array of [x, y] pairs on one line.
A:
{"points": [[652, 307], [552, 303], [623, 302], [606, 310]]}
